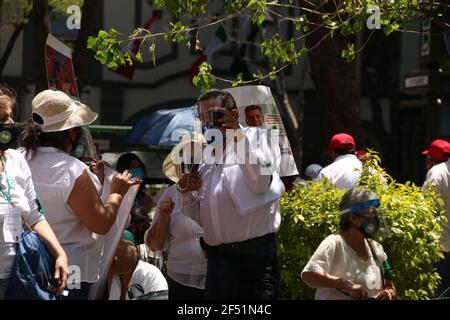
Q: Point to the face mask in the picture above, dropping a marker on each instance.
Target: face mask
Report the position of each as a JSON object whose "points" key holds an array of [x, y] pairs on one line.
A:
{"points": [[137, 173], [370, 226], [8, 135]]}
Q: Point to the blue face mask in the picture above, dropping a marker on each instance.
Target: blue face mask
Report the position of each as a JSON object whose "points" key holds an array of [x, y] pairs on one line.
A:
{"points": [[137, 173]]}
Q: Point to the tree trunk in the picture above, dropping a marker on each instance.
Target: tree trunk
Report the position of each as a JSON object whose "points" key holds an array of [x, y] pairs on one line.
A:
{"points": [[9, 47], [89, 27], [40, 9], [335, 81]]}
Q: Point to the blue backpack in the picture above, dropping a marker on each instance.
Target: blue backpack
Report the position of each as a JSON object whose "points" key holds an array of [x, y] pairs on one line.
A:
{"points": [[32, 273]]}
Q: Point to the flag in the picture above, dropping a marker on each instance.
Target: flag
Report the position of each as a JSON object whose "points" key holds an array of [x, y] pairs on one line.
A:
{"points": [[127, 70]]}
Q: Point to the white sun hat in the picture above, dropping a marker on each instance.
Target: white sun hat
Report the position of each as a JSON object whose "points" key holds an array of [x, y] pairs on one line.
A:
{"points": [[55, 111], [172, 171]]}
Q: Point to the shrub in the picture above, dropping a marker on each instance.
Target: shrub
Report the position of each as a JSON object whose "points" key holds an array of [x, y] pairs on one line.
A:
{"points": [[310, 213]]}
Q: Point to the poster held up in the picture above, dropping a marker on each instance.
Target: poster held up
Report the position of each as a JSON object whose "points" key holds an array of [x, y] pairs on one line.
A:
{"points": [[257, 108], [60, 72], [112, 238]]}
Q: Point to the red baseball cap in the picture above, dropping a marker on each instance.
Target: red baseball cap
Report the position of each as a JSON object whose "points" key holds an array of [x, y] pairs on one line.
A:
{"points": [[361, 154], [438, 149], [342, 141]]}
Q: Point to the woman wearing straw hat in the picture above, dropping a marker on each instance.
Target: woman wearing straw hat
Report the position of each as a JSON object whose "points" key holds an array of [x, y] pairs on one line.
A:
{"points": [[173, 231], [68, 191]]}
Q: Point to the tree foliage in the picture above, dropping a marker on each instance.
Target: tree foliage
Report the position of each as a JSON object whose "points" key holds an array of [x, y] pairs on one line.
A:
{"points": [[17, 11], [347, 17], [310, 213]]}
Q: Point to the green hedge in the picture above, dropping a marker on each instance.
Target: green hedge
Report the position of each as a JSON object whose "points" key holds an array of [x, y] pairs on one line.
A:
{"points": [[310, 213]]}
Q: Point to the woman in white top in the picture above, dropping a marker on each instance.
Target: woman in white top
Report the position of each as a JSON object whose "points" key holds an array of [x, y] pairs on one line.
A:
{"points": [[173, 231], [349, 264], [69, 192], [17, 195]]}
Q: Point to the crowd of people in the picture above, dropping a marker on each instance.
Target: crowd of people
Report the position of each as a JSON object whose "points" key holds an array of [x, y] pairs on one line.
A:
{"points": [[217, 222]]}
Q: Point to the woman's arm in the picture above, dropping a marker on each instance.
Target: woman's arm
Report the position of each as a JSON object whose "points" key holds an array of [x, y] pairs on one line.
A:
{"points": [[47, 235], [160, 229], [87, 205], [325, 280], [388, 293]]}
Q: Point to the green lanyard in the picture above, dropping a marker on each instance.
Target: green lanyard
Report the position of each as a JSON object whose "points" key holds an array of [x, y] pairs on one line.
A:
{"points": [[6, 195]]}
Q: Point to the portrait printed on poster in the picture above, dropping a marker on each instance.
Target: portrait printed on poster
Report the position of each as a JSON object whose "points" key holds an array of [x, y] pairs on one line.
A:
{"points": [[60, 72]]}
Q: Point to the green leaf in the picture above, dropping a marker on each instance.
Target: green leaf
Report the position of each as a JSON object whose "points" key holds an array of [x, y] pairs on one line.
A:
{"points": [[139, 56], [349, 53]]}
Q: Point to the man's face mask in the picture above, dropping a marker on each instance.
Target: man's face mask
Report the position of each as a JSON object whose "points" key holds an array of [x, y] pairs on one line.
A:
{"points": [[8, 135]]}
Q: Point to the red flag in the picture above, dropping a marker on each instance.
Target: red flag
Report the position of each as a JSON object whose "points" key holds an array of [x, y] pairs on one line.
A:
{"points": [[127, 70]]}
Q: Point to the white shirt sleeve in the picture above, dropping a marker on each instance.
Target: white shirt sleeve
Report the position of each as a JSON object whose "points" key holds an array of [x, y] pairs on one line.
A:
{"points": [[322, 259], [35, 215]]}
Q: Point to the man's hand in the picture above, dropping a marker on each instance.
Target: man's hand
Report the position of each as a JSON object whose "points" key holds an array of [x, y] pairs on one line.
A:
{"points": [[189, 182]]}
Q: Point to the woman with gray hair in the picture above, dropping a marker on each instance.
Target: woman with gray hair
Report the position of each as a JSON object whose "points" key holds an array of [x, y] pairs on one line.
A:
{"points": [[349, 264]]}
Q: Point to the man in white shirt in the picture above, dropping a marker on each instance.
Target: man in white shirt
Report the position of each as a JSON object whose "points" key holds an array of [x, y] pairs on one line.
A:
{"points": [[345, 170], [240, 245], [439, 177], [437, 152]]}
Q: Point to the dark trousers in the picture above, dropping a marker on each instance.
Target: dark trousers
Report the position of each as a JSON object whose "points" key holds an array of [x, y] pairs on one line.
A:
{"points": [[443, 268], [177, 291], [78, 294], [245, 270]]}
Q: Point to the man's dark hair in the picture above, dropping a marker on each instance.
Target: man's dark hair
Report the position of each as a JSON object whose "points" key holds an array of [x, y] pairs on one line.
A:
{"points": [[343, 151], [253, 107], [224, 98]]}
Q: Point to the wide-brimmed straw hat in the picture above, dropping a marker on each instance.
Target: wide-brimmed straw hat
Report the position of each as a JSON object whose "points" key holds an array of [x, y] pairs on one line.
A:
{"points": [[170, 169], [55, 111]]}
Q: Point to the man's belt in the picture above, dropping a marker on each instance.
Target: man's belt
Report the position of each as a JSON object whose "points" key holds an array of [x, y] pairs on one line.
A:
{"points": [[230, 248]]}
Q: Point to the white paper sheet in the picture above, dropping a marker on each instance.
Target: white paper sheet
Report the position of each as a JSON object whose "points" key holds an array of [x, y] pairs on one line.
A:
{"points": [[112, 238], [243, 196]]}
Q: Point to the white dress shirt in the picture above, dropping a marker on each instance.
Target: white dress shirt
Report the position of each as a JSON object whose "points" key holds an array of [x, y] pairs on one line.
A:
{"points": [[212, 207], [439, 176], [344, 172]]}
